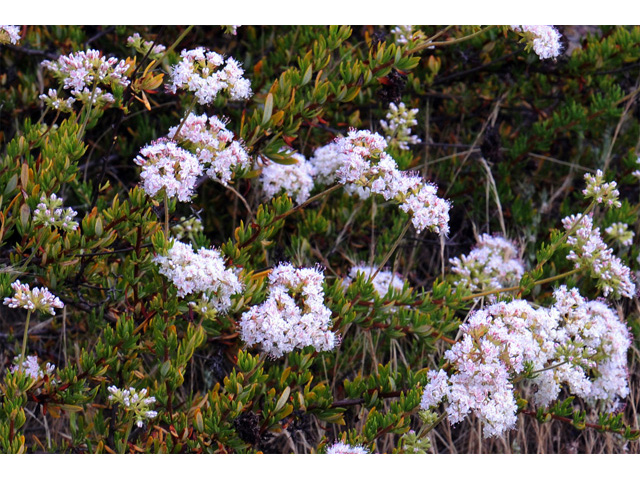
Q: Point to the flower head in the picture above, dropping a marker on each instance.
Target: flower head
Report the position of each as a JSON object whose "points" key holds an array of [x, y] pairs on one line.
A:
{"points": [[86, 75], [544, 39], [143, 46], [9, 34], [50, 213], [342, 448], [493, 263], [295, 179], [600, 191], [214, 145], [168, 168], [293, 315], [31, 367], [202, 72], [137, 402], [397, 126], [589, 251], [40, 299], [202, 272]]}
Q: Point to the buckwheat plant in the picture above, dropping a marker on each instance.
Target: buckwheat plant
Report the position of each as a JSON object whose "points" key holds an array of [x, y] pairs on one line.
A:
{"points": [[340, 448], [31, 368]]}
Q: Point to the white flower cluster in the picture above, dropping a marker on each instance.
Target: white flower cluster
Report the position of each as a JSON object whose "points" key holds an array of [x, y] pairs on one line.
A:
{"points": [[589, 251], [31, 368], [143, 46], [493, 263], [574, 342], [137, 402], [202, 272], [85, 75], [50, 213], [326, 161], [214, 145], [366, 165], [9, 34], [168, 168], [397, 126], [198, 71], [40, 299], [601, 191], [620, 233], [402, 33], [293, 315], [383, 282], [295, 179], [340, 448], [544, 39]]}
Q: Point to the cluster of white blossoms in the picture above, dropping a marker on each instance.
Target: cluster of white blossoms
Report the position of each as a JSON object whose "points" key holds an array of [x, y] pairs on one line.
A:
{"points": [[202, 272], [85, 75], [366, 165], [31, 367], [397, 126], [187, 228], [544, 39], [589, 251], [202, 72], [492, 264], [293, 315], [214, 145], [383, 282], [620, 232], [9, 34], [601, 191], [296, 179], [574, 342], [403, 34], [326, 161], [137, 402], [143, 46], [39, 299], [49, 213], [168, 169], [342, 448]]}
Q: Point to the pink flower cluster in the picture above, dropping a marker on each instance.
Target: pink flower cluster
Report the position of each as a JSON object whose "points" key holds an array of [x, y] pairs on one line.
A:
{"points": [[214, 145], [293, 315], [85, 75], [202, 272], [366, 165], [295, 179], [493, 263], [589, 251], [544, 39], [574, 342], [169, 169], [40, 298], [199, 71]]}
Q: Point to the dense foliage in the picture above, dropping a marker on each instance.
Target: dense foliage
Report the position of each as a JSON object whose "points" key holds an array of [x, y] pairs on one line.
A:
{"points": [[209, 282]]}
